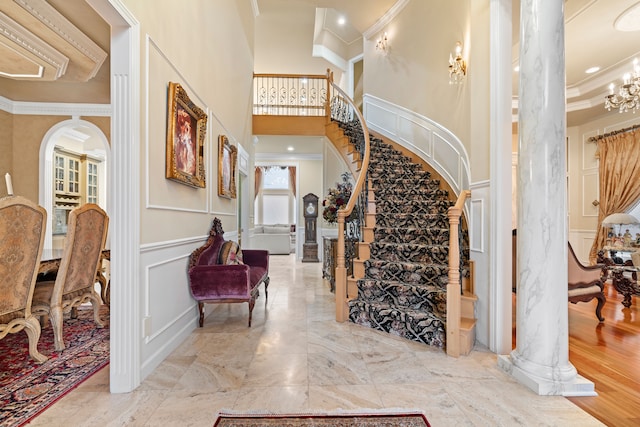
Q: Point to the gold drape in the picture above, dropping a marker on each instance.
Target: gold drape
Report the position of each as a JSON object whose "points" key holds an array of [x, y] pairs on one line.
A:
{"points": [[619, 179], [292, 180], [257, 185]]}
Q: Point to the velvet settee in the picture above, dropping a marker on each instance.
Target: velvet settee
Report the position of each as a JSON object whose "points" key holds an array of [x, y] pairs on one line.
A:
{"points": [[220, 272]]}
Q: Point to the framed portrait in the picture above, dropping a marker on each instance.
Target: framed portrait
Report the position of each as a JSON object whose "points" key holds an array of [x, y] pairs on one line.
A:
{"points": [[186, 129], [227, 155]]}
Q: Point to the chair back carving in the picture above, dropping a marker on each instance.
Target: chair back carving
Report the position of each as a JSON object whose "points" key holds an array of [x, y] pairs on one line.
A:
{"points": [[22, 228], [86, 236], [215, 231]]}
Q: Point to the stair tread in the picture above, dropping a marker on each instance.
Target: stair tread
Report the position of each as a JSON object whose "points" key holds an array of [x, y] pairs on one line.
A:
{"points": [[467, 323]]}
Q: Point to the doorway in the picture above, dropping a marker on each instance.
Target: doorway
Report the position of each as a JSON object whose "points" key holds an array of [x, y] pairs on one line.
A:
{"points": [[75, 148]]}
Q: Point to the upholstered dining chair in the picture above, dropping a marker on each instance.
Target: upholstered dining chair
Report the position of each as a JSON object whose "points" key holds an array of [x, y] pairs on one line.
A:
{"points": [[22, 228], [74, 283]]}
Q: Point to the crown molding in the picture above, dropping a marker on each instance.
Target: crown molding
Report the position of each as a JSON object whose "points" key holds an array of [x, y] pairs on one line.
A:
{"points": [[54, 109], [385, 19], [60, 25]]}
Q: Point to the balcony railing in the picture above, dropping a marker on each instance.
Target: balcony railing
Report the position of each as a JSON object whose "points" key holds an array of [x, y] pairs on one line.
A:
{"points": [[290, 95]]}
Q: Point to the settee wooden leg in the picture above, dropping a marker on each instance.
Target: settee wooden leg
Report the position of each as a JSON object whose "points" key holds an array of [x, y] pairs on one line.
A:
{"points": [[266, 291], [601, 301], [201, 310], [252, 303]]}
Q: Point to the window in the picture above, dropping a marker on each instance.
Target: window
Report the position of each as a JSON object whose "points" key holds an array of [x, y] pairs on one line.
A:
{"points": [[275, 209], [275, 202], [276, 178], [76, 178], [92, 182]]}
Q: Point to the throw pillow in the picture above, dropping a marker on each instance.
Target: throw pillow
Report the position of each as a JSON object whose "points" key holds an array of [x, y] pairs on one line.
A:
{"points": [[230, 253]]}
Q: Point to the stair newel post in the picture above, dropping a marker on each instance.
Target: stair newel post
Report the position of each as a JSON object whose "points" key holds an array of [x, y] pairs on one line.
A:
{"points": [[454, 289], [453, 286], [327, 104], [341, 273]]}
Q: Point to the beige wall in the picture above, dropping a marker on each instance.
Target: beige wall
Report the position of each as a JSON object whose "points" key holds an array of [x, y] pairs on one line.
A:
{"points": [[25, 138], [285, 46], [310, 173], [478, 79], [6, 148], [414, 73], [212, 58]]}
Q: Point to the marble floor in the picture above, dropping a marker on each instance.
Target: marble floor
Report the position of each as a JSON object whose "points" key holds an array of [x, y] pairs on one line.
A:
{"points": [[296, 358]]}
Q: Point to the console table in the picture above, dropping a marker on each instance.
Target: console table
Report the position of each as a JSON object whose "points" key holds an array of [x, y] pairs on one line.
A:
{"points": [[624, 277], [625, 280]]}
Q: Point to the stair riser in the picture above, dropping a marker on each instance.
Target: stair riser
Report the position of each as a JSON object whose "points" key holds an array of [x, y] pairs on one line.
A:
{"points": [[428, 330], [421, 207], [411, 235], [427, 298], [411, 221], [410, 253], [415, 274]]}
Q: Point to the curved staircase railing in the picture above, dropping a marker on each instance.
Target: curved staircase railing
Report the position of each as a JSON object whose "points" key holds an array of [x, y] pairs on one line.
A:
{"points": [[293, 96], [343, 108]]}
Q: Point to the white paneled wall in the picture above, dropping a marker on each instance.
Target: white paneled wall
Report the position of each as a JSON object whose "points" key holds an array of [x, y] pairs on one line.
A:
{"points": [[434, 143]]}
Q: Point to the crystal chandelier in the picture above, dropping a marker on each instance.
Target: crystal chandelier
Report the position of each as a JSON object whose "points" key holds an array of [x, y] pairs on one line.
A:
{"points": [[627, 97]]}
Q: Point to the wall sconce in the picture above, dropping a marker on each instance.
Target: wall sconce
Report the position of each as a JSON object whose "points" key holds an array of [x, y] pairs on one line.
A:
{"points": [[381, 44], [457, 66]]}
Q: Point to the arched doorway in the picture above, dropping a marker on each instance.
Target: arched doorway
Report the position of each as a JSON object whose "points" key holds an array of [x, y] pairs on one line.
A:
{"points": [[74, 138]]}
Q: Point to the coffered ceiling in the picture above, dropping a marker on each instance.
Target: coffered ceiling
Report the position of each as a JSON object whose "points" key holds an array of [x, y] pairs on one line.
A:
{"points": [[53, 51]]}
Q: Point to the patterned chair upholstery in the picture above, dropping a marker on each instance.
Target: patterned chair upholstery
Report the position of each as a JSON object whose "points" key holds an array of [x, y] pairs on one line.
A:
{"points": [[22, 228], [214, 279], [74, 283]]}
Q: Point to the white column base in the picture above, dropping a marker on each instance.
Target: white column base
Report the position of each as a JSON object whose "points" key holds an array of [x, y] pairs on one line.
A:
{"points": [[578, 386]]}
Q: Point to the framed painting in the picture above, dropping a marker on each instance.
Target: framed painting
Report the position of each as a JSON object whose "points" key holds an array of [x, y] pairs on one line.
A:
{"points": [[186, 129], [227, 155]]}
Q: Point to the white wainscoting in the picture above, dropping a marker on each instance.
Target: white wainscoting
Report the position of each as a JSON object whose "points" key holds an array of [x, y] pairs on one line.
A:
{"points": [[169, 313], [581, 241], [429, 140], [479, 253]]}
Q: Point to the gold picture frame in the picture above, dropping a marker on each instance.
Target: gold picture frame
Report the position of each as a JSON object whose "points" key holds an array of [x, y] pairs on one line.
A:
{"points": [[227, 156], [186, 129]]}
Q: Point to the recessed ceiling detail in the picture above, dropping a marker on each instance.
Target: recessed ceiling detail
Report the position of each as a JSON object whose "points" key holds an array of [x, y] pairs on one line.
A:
{"points": [[38, 43], [629, 20], [24, 56]]}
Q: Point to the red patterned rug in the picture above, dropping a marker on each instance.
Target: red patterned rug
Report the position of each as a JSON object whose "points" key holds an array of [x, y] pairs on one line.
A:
{"points": [[398, 419], [26, 388]]}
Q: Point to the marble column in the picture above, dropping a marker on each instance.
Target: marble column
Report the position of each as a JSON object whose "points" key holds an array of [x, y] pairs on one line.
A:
{"points": [[541, 358]]}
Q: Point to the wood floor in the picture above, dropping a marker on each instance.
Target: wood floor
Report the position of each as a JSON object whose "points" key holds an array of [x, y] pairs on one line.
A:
{"points": [[609, 355]]}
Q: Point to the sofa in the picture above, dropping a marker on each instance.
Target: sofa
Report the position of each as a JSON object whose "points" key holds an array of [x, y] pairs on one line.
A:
{"points": [[275, 238], [220, 272]]}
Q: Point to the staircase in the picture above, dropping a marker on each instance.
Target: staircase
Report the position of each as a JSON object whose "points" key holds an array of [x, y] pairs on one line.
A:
{"points": [[401, 275]]}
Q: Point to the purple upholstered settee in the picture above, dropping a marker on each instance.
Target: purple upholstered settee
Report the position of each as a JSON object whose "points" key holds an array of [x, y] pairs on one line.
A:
{"points": [[217, 276]]}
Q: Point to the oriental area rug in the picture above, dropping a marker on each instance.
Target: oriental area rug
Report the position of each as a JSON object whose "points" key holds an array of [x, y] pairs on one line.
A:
{"points": [[398, 419], [26, 388]]}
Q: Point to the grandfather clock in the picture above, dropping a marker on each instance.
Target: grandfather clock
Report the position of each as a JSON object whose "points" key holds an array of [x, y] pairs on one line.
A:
{"points": [[310, 246]]}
